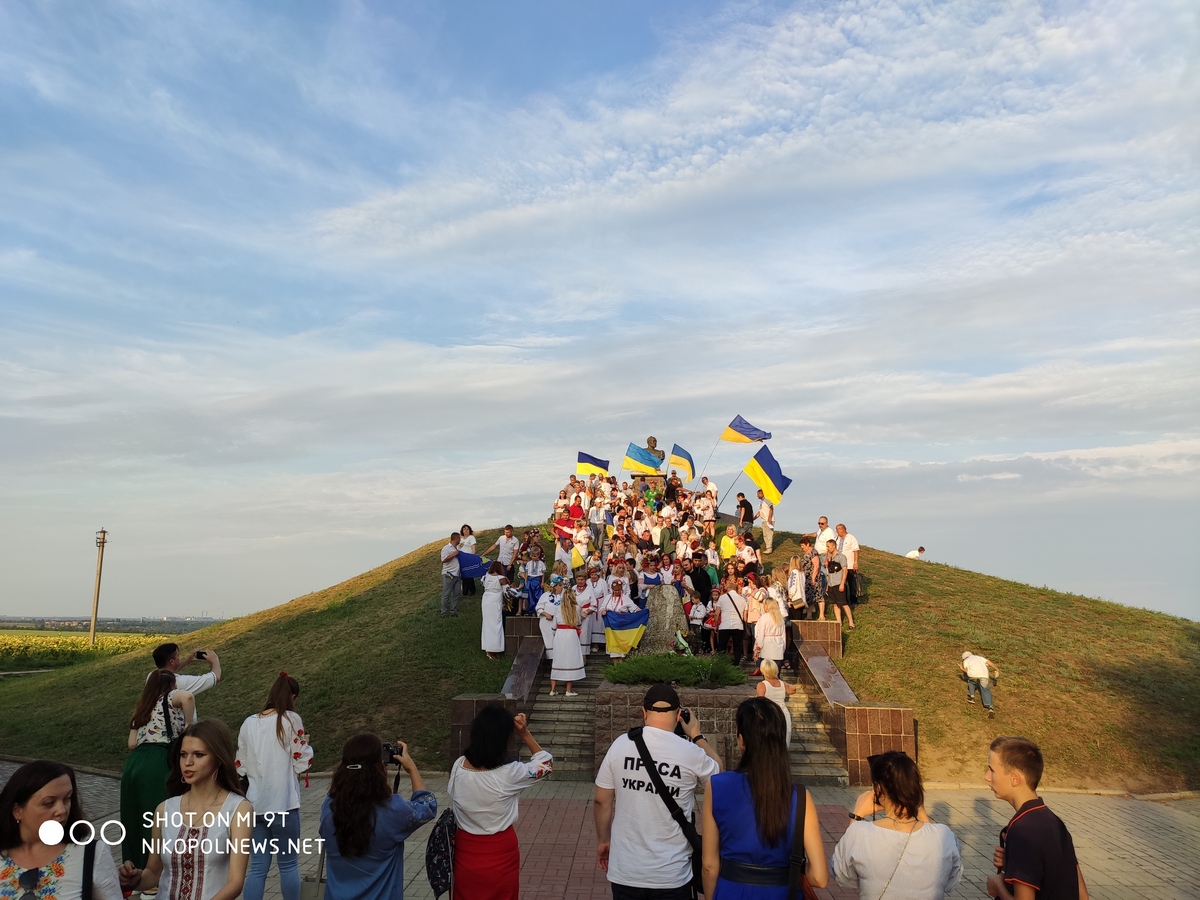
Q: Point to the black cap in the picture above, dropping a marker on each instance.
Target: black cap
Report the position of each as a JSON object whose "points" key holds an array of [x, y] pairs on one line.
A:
{"points": [[660, 698]]}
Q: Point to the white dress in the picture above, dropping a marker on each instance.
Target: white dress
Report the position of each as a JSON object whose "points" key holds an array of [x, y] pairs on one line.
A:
{"points": [[778, 695], [491, 608], [568, 654], [187, 872], [549, 603]]}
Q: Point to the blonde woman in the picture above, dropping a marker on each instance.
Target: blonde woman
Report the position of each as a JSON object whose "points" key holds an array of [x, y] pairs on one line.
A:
{"points": [[770, 633], [568, 654], [777, 691]]}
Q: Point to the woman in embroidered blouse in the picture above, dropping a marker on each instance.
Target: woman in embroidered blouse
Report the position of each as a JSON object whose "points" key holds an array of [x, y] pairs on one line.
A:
{"points": [[273, 748], [203, 827], [365, 825], [37, 793], [484, 787], [161, 714]]}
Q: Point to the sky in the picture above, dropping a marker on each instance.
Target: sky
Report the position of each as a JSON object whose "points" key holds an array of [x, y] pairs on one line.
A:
{"points": [[289, 290]]}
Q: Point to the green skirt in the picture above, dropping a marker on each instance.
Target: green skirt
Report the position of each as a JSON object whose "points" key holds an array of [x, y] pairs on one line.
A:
{"points": [[143, 787]]}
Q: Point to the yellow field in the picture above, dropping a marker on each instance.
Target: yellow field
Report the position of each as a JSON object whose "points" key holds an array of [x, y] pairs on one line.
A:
{"points": [[41, 649]]}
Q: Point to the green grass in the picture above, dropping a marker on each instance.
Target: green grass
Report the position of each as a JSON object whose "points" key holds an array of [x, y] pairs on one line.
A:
{"points": [[1111, 693], [688, 671]]}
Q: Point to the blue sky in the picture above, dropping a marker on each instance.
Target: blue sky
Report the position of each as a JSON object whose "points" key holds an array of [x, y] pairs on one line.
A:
{"points": [[288, 291]]}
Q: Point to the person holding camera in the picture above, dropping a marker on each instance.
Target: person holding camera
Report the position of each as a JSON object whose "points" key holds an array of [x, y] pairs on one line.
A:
{"points": [[364, 823], [484, 786], [273, 748], [166, 656], [645, 853]]}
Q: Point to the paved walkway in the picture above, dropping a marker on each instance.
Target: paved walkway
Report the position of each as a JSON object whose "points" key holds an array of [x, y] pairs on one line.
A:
{"points": [[1129, 849]]}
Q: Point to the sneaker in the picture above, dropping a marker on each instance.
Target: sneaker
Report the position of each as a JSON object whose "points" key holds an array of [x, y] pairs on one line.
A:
{"points": [[570, 694], [971, 700], [553, 694], [991, 712]]}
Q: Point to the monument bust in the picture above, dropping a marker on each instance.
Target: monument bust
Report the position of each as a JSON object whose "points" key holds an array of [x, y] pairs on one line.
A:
{"points": [[652, 448]]}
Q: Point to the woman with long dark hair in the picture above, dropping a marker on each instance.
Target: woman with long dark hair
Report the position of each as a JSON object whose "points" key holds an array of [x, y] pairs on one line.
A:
{"points": [[740, 862], [202, 829], [161, 714], [903, 851], [484, 787], [491, 611], [273, 748], [37, 793], [364, 824]]}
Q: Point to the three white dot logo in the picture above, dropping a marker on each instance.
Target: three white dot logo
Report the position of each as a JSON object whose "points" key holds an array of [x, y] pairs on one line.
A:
{"points": [[52, 832]]}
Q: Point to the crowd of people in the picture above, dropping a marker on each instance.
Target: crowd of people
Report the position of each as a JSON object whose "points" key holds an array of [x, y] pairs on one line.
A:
{"points": [[614, 541]]}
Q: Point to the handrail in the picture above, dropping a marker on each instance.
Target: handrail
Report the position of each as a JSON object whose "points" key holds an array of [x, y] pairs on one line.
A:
{"points": [[524, 669]]}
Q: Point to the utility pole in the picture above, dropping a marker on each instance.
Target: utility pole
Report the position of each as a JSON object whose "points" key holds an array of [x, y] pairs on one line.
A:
{"points": [[101, 540]]}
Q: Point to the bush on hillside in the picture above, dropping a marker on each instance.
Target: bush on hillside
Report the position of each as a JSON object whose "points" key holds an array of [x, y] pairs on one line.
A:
{"points": [[686, 671]]}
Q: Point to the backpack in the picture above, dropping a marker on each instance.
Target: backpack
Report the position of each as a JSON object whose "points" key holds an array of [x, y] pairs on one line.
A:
{"points": [[439, 854]]}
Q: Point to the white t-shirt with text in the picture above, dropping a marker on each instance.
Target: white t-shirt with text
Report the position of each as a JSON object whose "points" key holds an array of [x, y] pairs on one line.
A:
{"points": [[648, 849]]}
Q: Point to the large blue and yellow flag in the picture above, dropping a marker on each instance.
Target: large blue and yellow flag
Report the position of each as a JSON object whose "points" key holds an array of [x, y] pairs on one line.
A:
{"points": [[682, 460], [591, 465], [639, 459], [472, 566], [740, 431], [764, 472], [623, 631]]}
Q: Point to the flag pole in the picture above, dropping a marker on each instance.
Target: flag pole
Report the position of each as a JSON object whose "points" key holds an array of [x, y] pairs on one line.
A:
{"points": [[730, 489], [710, 456]]}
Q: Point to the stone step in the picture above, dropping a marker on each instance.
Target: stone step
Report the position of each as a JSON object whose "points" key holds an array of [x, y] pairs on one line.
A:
{"points": [[815, 776]]}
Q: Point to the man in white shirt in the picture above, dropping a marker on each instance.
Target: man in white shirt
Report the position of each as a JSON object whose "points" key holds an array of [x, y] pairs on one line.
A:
{"points": [[166, 656], [710, 487], [976, 668], [823, 533], [847, 545], [640, 847], [915, 554], [766, 517], [451, 576], [507, 544]]}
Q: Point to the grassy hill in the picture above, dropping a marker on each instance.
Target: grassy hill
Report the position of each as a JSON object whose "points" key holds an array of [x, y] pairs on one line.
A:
{"points": [[1111, 693]]}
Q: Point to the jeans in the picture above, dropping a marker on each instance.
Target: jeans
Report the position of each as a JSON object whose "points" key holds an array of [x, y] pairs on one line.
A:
{"points": [[451, 591], [284, 827], [621, 892], [985, 692]]}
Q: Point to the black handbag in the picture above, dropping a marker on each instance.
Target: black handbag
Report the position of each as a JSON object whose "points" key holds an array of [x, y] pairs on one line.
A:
{"points": [[689, 828]]}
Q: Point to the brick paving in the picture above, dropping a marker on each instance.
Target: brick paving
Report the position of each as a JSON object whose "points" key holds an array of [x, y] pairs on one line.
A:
{"points": [[1128, 848]]}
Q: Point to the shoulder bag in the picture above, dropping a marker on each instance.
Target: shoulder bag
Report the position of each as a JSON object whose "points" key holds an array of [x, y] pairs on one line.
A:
{"points": [[688, 828]]}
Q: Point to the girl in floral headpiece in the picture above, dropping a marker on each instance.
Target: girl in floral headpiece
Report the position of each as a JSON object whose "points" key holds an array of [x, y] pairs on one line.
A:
{"points": [[547, 608]]}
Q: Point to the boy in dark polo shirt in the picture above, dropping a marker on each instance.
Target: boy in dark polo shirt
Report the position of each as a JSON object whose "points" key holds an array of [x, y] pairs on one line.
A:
{"points": [[1037, 855]]}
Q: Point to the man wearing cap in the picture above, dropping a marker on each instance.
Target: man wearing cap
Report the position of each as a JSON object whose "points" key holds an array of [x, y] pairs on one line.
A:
{"points": [[639, 845], [976, 668]]}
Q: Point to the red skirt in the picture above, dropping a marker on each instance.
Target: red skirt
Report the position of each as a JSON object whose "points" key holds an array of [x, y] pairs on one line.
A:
{"points": [[487, 866]]}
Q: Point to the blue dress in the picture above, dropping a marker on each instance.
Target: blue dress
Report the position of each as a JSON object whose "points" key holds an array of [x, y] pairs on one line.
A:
{"points": [[733, 810], [379, 874]]}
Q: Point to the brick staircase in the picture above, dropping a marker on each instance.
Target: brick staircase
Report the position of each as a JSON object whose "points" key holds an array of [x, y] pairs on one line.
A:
{"points": [[814, 759], [566, 725]]}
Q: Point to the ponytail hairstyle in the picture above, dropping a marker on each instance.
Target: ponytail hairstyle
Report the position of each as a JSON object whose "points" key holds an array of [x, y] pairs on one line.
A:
{"points": [[358, 788], [160, 683], [282, 699], [763, 730]]}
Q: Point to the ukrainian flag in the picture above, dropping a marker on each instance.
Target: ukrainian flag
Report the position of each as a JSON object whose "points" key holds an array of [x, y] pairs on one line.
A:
{"points": [[591, 465], [576, 559], [623, 631], [764, 472], [639, 459], [682, 460], [742, 432]]}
